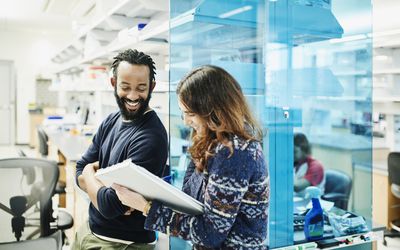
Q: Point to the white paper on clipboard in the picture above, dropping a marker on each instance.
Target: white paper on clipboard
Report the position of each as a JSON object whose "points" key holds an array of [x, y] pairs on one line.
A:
{"points": [[152, 187]]}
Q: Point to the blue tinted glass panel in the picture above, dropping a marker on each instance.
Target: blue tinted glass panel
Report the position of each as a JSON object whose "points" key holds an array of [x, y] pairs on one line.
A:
{"points": [[318, 64], [305, 67], [229, 34]]}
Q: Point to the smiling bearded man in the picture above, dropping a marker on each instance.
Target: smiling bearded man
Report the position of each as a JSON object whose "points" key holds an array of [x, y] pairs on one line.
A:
{"points": [[134, 132]]}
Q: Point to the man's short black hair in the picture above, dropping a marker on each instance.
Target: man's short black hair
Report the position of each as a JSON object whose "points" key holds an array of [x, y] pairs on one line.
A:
{"points": [[134, 57]]}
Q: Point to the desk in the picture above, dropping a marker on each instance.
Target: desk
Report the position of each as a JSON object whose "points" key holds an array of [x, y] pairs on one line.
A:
{"points": [[299, 205], [339, 152], [375, 232], [343, 153], [71, 148], [383, 199]]}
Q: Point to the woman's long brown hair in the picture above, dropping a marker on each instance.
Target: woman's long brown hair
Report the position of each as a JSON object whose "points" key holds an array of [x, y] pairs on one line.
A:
{"points": [[214, 95]]}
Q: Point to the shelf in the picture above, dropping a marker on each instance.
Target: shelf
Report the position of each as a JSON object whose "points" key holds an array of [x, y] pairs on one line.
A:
{"points": [[382, 85], [200, 28], [351, 73], [88, 85], [73, 88], [146, 46], [386, 98], [392, 44], [387, 71], [77, 41], [115, 30], [102, 18], [343, 98]]}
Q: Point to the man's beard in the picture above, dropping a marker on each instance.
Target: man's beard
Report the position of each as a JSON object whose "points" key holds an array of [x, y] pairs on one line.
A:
{"points": [[131, 115]]}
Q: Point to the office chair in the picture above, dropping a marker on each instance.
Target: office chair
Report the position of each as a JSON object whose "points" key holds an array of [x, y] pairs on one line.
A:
{"points": [[337, 188], [44, 151], [21, 153], [28, 185], [394, 178], [43, 140]]}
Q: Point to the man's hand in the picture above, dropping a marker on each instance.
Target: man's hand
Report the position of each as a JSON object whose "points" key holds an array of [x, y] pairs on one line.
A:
{"points": [[89, 182], [88, 171]]}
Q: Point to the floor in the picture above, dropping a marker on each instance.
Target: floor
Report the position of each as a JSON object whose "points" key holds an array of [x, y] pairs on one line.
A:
{"points": [[13, 151], [392, 244]]}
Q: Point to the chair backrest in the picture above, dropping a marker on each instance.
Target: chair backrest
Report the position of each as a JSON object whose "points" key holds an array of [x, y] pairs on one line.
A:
{"points": [[338, 187], [27, 186], [394, 172], [394, 167], [43, 140]]}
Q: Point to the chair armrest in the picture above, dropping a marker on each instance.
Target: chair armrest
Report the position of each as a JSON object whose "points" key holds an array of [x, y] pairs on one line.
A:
{"points": [[64, 220], [334, 196]]}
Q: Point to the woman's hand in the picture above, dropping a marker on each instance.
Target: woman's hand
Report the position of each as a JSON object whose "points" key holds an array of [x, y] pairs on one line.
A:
{"points": [[130, 198]]}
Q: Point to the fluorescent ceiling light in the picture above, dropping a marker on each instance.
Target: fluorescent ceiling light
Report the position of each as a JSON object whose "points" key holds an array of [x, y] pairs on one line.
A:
{"points": [[235, 11], [45, 5], [83, 8]]}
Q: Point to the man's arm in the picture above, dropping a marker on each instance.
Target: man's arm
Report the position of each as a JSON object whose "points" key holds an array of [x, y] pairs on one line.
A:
{"points": [[81, 183], [81, 178], [89, 183], [90, 156], [301, 184], [150, 151]]}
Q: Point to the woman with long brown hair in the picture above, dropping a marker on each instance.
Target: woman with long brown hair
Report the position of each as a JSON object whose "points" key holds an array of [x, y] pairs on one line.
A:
{"points": [[228, 173]]}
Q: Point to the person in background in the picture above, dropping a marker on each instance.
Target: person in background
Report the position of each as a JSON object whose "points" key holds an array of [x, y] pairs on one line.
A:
{"points": [[134, 132], [227, 172], [307, 170]]}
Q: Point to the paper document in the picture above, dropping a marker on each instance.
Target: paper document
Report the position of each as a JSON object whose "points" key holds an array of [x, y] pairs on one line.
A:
{"points": [[152, 187]]}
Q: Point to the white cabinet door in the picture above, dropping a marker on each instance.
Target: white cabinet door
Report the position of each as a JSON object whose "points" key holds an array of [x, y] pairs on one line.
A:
{"points": [[7, 99]]}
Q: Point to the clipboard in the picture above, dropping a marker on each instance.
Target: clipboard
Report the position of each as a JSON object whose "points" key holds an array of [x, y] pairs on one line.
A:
{"points": [[152, 187]]}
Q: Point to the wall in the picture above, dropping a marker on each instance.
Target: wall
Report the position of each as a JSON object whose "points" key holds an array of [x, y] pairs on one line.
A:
{"points": [[30, 52]]}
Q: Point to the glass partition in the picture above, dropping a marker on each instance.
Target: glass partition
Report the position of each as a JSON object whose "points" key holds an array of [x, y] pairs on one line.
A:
{"points": [[228, 34], [305, 67], [318, 84]]}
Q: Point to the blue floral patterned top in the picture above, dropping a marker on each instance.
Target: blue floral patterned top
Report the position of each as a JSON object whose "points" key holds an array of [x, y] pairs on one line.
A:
{"points": [[235, 193]]}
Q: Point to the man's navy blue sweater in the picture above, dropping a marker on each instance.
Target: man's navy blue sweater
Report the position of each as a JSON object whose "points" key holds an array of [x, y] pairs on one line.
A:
{"points": [[145, 141]]}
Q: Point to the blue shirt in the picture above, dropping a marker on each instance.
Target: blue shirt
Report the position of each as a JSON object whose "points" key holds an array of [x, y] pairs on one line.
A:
{"points": [[145, 141]]}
